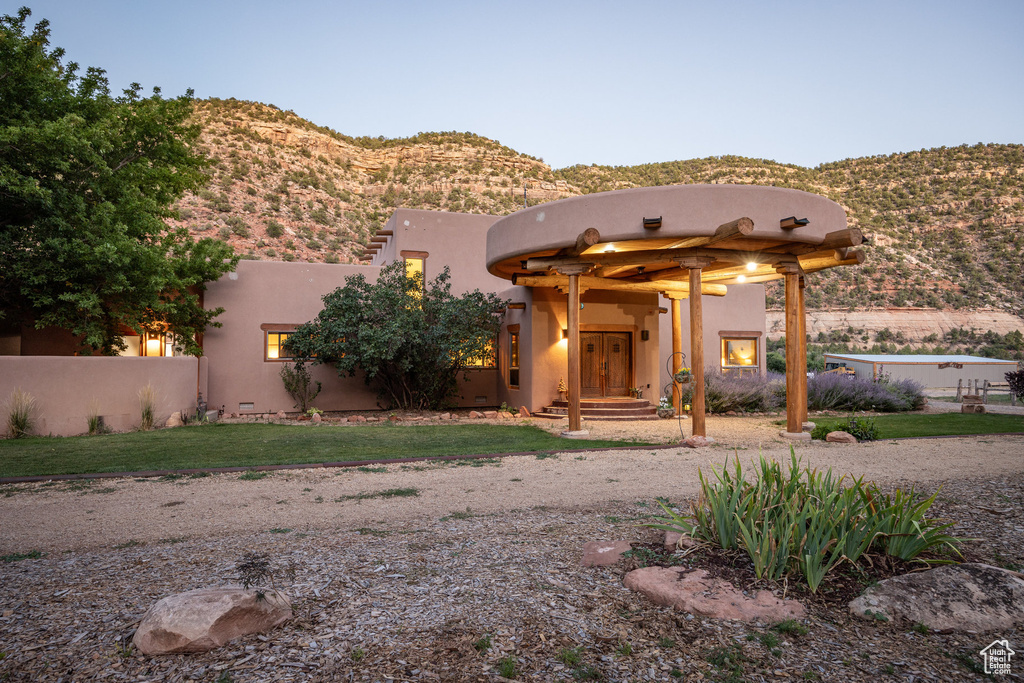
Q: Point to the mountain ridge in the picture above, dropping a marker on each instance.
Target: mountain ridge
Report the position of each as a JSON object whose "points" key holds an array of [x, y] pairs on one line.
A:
{"points": [[946, 225]]}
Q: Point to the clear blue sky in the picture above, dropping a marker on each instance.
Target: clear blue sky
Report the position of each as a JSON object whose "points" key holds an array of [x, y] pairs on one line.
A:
{"points": [[618, 83]]}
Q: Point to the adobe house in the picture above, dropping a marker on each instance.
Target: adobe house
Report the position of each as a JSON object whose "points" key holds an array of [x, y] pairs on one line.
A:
{"points": [[598, 286]]}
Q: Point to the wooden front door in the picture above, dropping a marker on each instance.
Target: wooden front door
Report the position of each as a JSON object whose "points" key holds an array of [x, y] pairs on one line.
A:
{"points": [[604, 364]]}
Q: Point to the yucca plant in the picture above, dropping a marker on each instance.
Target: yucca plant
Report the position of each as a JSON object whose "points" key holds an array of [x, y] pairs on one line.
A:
{"points": [[20, 408]]}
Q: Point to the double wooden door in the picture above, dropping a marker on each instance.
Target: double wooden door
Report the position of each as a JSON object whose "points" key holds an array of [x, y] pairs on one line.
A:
{"points": [[605, 364]]}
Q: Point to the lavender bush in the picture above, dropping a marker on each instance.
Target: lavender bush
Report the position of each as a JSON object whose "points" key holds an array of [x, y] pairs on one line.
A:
{"points": [[762, 393], [836, 392]]}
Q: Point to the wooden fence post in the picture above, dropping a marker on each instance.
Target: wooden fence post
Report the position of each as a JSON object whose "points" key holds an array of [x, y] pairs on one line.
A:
{"points": [[959, 390]]}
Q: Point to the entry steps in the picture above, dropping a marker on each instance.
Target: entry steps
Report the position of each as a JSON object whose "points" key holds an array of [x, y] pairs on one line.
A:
{"points": [[603, 409]]}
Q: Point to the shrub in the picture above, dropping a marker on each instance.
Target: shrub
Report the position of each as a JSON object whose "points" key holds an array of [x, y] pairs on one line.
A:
{"points": [[1016, 382], [299, 385], [836, 392], [20, 408], [861, 428], [147, 404], [806, 523], [274, 229], [748, 393]]}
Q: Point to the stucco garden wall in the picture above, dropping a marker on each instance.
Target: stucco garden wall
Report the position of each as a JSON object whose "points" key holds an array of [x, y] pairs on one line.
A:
{"points": [[67, 387]]}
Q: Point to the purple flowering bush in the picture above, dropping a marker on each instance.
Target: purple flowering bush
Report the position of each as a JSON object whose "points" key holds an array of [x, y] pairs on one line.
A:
{"points": [[838, 392]]}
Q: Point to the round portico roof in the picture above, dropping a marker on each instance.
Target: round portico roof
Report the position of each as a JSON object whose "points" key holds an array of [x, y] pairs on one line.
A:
{"points": [[645, 236]]}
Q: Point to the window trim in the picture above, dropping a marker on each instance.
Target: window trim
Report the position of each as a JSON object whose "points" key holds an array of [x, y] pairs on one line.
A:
{"points": [[276, 328], [726, 336]]}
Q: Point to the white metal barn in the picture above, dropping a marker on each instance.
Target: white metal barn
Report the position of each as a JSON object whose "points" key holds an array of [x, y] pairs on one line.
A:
{"points": [[934, 372]]}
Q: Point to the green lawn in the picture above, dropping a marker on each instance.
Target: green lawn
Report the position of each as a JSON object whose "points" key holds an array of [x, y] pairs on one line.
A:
{"points": [[943, 424], [234, 445]]}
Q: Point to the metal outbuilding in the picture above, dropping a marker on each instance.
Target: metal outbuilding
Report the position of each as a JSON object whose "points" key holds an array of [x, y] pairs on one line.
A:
{"points": [[933, 371]]}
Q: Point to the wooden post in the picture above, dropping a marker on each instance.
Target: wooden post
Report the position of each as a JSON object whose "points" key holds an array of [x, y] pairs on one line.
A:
{"points": [[984, 392], [794, 423], [960, 389], [573, 324], [696, 342], [575, 419], [802, 377], [677, 350]]}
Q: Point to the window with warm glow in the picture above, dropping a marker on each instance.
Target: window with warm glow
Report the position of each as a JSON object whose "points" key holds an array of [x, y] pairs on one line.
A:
{"points": [[275, 346], [414, 268], [739, 354], [487, 360], [513, 358]]}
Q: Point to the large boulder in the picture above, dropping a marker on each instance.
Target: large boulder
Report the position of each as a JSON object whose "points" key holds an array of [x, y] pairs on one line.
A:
{"points": [[840, 436], [699, 594], [962, 597], [205, 619]]}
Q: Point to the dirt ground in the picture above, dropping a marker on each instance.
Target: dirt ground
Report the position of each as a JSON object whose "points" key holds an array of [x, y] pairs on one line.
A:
{"points": [[464, 554]]}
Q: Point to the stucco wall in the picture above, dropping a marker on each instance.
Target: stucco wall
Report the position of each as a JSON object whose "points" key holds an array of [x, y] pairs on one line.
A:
{"points": [[742, 309], [66, 387]]}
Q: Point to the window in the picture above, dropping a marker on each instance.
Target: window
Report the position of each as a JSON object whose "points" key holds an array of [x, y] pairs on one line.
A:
{"points": [[513, 357], [487, 360], [415, 265], [275, 346], [739, 355]]}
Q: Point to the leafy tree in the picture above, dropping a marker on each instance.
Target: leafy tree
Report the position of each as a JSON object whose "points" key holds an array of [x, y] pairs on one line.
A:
{"points": [[86, 181], [412, 342]]}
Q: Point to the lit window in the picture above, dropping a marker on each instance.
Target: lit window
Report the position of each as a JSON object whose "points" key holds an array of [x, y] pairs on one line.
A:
{"points": [[739, 354], [513, 358], [275, 346], [487, 360]]}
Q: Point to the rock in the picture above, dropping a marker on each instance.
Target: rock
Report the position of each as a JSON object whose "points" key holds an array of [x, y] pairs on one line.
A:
{"points": [[674, 540], [603, 553], [392, 418], [840, 437], [731, 413], [491, 414], [357, 418], [316, 419], [698, 441], [523, 412], [444, 416], [205, 619], [372, 419], [696, 593], [795, 436], [964, 597], [475, 415], [281, 415], [174, 420]]}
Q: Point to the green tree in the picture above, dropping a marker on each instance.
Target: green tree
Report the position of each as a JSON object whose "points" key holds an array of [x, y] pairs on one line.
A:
{"points": [[86, 181], [411, 341]]}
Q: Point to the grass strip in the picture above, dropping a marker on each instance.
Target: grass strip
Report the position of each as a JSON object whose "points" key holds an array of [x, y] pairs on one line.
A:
{"points": [[249, 445], [942, 424]]}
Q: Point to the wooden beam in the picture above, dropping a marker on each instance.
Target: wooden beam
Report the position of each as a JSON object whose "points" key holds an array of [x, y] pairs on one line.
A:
{"points": [[584, 241], [573, 316], [839, 239], [815, 262], [726, 231], [590, 282]]}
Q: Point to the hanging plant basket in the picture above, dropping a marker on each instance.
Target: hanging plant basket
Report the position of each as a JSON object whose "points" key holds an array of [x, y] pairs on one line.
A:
{"points": [[666, 413], [682, 377]]}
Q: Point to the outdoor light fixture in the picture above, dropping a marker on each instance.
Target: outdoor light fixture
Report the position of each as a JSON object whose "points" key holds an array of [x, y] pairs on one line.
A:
{"points": [[645, 335], [793, 222], [741, 278], [153, 344], [751, 266], [686, 407], [565, 333], [652, 223]]}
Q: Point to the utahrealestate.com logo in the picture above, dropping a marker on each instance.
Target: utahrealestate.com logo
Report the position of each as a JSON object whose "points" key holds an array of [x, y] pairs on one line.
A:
{"points": [[997, 657]]}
